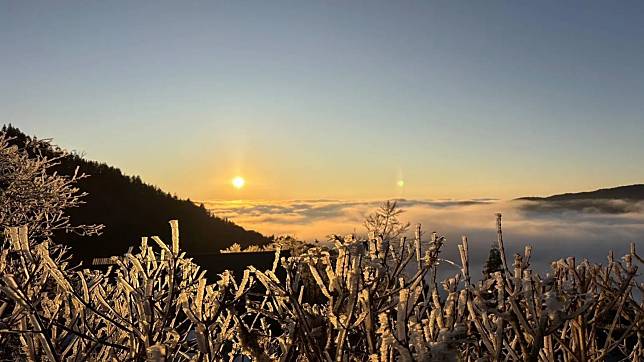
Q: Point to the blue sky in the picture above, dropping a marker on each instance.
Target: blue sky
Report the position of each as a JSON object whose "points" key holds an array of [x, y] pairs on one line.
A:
{"points": [[335, 99]]}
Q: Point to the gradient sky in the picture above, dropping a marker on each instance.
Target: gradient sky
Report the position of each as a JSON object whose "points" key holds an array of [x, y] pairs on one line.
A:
{"points": [[335, 99]]}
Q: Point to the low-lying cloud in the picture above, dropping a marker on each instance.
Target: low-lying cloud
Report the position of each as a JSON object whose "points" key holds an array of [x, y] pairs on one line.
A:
{"points": [[317, 219], [583, 228]]}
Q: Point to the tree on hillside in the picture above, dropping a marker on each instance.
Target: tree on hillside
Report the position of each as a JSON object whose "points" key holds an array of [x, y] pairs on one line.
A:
{"points": [[31, 195], [493, 263]]}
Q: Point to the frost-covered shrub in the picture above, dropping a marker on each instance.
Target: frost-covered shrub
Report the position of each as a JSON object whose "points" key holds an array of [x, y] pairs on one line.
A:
{"points": [[372, 310], [153, 303], [156, 304], [31, 194]]}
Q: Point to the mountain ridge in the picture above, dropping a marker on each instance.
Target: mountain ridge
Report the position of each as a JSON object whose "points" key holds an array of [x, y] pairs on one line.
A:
{"points": [[633, 192]]}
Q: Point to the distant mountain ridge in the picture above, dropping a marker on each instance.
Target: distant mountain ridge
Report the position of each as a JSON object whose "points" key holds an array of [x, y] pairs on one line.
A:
{"points": [[629, 192], [129, 208]]}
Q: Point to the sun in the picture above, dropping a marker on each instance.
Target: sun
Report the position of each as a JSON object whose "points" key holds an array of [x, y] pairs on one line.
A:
{"points": [[238, 182]]}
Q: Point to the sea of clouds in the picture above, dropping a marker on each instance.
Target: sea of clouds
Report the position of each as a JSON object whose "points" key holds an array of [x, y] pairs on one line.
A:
{"points": [[581, 228]]}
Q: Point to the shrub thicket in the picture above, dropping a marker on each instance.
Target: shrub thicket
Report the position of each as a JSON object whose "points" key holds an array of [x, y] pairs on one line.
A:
{"points": [[156, 304]]}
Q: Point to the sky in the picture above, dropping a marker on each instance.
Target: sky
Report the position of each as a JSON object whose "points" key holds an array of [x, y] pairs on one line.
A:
{"points": [[326, 100]]}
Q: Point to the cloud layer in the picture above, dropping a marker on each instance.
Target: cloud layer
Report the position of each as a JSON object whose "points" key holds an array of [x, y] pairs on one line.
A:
{"points": [[581, 229]]}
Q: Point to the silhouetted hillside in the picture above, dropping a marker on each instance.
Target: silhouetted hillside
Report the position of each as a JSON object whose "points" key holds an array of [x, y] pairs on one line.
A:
{"points": [[130, 208], [630, 192], [616, 200]]}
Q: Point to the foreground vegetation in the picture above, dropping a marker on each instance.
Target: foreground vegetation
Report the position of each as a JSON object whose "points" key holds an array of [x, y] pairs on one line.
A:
{"points": [[353, 303], [376, 299]]}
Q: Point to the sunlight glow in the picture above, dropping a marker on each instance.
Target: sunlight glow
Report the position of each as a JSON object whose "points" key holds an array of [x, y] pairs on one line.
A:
{"points": [[400, 183], [238, 182]]}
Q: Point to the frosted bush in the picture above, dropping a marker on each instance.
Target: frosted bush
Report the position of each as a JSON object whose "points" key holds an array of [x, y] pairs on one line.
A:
{"points": [[31, 194], [155, 304]]}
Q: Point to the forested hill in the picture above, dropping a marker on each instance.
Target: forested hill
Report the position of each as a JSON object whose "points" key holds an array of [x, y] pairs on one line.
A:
{"points": [[630, 192], [130, 208]]}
